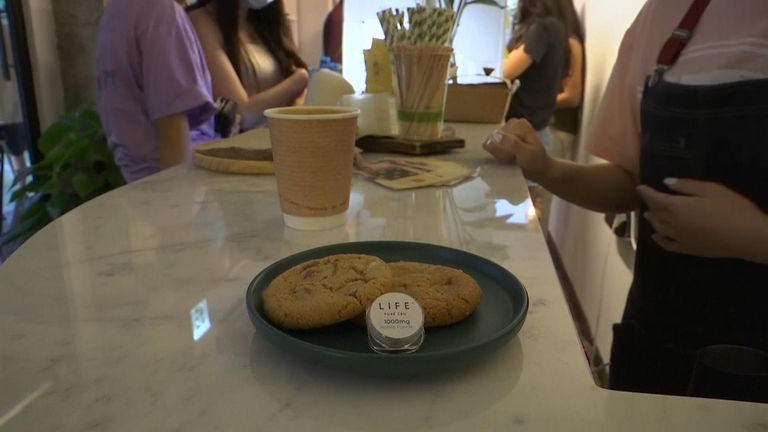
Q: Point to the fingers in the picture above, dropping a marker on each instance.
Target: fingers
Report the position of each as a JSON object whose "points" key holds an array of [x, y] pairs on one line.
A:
{"points": [[692, 187], [521, 128], [654, 199], [518, 142], [502, 146], [659, 225], [664, 233], [660, 205]]}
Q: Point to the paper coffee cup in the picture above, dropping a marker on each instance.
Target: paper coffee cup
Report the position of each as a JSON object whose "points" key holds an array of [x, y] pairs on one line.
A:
{"points": [[313, 150]]}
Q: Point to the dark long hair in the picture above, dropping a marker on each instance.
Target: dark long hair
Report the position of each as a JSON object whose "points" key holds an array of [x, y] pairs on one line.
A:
{"points": [[529, 11], [571, 20], [270, 24]]}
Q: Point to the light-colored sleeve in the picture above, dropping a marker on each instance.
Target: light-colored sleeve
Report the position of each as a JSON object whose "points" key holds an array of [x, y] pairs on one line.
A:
{"points": [[614, 133]]}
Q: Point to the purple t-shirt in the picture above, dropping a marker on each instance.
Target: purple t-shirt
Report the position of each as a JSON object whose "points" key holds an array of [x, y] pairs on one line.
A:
{"points": [[149, 65]]}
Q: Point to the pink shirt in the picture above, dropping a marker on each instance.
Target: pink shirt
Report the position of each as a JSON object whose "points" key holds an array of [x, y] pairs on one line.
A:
{"points": [[729, 44], [149, 65]]}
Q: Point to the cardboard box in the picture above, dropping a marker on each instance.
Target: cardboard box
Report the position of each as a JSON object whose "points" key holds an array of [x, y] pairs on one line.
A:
{"points": [[479, 102]]}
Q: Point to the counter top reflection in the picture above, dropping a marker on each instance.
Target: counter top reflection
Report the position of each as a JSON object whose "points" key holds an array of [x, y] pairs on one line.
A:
{"points": [[128, 314]]}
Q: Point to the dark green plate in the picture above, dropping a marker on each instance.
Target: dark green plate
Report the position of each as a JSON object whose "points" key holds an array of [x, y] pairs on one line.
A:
{"points": [[498, 319]]}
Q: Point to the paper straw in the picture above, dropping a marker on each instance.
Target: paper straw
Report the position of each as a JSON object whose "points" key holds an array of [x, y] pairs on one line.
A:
{"points": [[425, 25], [421, 53], [387, 24]]}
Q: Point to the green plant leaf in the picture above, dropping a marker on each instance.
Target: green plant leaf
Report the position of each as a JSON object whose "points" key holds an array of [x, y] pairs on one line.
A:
{"points": [[18, 195], [53, 185], [78, 165], [95, 155], [61, 203], [35, 204], [21, 175], [65, 154], [79, 147], [115, 177], [53, 136], [36, 185], [85, 185], [90, 117], [56, 154]]}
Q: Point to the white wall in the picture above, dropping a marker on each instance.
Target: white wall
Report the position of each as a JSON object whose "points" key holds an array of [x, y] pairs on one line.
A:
{"points": [[592, 255], [480, 40]]}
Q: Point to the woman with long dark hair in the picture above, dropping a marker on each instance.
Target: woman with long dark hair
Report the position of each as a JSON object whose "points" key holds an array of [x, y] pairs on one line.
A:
{"points": [[565, 119], [251, 55], [573, 84], [539, 57]]}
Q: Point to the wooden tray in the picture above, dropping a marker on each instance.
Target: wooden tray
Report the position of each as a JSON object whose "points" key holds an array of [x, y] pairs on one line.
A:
{"points": [[246, 153], [392, 144]]}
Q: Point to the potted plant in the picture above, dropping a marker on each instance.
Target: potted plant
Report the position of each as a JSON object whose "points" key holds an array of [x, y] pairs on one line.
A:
{"points": [[77, 165]]}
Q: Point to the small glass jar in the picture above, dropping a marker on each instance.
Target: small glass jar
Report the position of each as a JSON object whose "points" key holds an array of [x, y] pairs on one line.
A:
{"points": [[395, 324]]}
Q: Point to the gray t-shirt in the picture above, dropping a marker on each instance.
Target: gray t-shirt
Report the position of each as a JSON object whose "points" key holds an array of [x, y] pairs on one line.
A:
{"points": [[542, 81]]}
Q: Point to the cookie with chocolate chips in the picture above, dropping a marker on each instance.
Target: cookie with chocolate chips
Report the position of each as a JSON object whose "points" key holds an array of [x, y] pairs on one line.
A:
{"points": [[447, 295], [325, 291]]}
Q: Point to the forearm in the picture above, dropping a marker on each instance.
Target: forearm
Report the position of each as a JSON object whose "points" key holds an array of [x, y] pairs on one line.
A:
{"points": [[173, 138], [515, 63], [573, 84], [299, 101], [567, 99], [283, 93], [602, 187]]}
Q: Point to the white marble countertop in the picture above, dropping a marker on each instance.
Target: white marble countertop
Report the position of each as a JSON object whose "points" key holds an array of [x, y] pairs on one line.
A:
{"points": [[95, 328]]}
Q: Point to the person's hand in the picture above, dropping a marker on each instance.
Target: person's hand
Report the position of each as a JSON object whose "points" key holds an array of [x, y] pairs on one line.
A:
{"points": [[517, 142], [707, 220], [300, 78]]}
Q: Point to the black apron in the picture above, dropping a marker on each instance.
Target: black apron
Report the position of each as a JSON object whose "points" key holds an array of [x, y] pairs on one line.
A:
{"points": [[679, 304]]}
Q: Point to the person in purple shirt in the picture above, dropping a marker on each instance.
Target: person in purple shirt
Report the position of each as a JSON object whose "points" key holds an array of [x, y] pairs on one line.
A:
{"points": [[154, 88]]}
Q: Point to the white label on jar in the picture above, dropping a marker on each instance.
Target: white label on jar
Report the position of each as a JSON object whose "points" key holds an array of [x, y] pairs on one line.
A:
{"points": [[396, 315]]}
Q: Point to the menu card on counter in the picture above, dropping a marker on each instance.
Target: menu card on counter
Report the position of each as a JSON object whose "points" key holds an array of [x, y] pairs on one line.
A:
{"points": [[410, 173]]}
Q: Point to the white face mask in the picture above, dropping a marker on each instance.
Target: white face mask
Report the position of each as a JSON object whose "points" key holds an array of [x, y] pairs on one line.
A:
{"points": [[256, 4]]}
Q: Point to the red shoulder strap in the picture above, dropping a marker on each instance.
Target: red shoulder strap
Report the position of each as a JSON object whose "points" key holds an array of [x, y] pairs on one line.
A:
{"points": [[680, 37]]}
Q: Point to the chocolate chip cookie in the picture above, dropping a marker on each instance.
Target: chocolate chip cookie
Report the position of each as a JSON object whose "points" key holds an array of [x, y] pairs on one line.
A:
{"points": [[447, 295], [325, 291]]}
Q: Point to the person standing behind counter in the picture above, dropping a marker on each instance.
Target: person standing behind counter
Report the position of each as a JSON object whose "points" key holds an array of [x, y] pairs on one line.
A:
{"points": [[153, 85], [682, 128], [564, 125], [251, 56], [539, 57]]}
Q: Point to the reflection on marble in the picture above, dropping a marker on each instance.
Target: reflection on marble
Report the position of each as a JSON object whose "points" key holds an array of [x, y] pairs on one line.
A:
{"points": [[519, 214], [296, 389], [200, 319], [96, 333]]}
